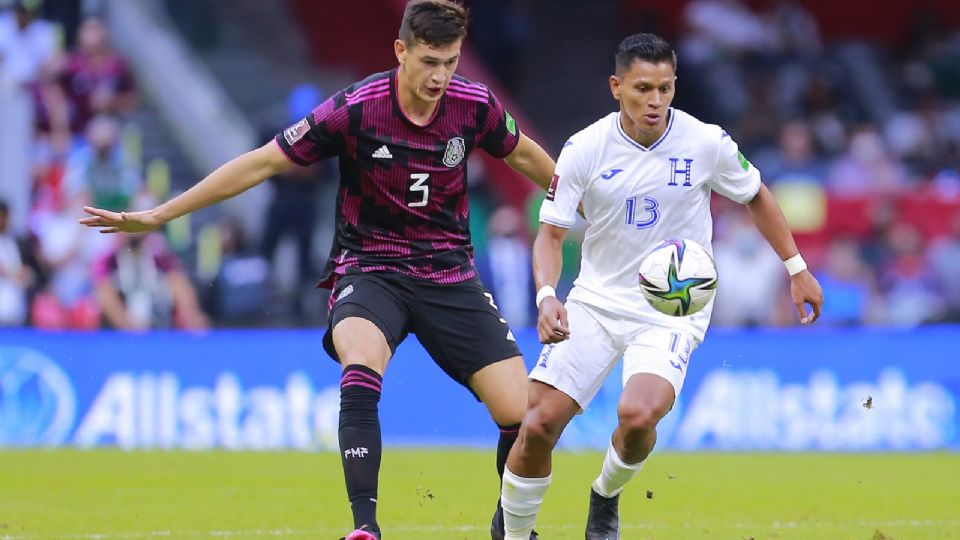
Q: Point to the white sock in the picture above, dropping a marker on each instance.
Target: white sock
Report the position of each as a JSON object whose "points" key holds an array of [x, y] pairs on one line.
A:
{"points": [[521, 499], [615, 474]]}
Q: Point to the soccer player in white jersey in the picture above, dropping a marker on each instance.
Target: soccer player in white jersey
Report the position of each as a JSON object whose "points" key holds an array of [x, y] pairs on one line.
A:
{"points": [[643, 174]]}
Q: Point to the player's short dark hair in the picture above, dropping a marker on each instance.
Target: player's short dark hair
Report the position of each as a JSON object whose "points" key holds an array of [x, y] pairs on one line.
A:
{"points": [[434, 22], [645, 47]]}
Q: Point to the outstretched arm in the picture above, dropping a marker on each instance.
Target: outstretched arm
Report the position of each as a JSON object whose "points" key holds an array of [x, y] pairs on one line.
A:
{"points": [[232, 178], [532, 161], [547, 261], [804, 288]]}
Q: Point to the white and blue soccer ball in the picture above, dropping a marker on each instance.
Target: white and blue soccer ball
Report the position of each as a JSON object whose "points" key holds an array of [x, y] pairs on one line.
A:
{"points": [[678, 277]]}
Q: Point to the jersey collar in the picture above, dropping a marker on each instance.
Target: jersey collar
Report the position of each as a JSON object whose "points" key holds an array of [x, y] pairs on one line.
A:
{"points": [[635, 144], [395, 93]]}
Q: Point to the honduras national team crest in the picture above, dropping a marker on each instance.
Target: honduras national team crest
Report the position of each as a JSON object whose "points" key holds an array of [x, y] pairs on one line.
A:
{"points": [[456, 149]]}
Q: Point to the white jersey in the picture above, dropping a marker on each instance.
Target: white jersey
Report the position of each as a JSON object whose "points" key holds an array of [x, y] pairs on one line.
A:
{"points": [[634, 197]]}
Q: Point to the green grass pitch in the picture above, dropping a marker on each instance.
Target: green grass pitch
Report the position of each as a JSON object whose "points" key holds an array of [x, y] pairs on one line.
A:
{"points": [[450, 495]]}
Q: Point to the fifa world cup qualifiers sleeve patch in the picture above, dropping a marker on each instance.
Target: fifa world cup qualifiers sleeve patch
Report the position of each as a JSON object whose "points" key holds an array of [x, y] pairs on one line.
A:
{"points": [[552, 190], [296, 132], [511, 123]]}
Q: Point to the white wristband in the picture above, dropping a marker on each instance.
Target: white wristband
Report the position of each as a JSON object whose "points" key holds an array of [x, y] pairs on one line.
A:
{"points": [[544, 292], [795, 264]]}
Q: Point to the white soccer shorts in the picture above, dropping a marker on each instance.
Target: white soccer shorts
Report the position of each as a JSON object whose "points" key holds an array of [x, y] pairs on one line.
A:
{"points": [[579, 365]]}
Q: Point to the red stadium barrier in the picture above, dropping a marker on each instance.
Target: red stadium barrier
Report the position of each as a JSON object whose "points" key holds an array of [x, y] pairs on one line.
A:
{"points": [[932, 213]]}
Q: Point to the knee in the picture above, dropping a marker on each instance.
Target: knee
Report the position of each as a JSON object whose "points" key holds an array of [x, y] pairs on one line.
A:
{"points": [[372, 357], [359, 341], [360, 358], [640, 417], [539, 430]]}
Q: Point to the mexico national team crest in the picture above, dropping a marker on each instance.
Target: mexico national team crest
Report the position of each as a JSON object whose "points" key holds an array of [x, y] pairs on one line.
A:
{"points": [[456, 150]]}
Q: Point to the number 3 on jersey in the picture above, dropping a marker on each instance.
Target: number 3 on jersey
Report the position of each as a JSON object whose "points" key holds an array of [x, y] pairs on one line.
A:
{"points": [[420, 191], [645, 217]]}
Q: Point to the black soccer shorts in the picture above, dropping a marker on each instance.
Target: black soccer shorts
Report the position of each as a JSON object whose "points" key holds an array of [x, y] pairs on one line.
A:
{"points": [[458, 324]]}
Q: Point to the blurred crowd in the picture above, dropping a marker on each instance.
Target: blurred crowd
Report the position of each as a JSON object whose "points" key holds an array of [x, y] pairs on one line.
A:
{"points": [[859, 142], [858, 139], [69, 106]]}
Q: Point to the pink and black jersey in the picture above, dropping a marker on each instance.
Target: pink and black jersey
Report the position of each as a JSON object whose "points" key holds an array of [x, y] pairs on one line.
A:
{"points": [[402, 204]]}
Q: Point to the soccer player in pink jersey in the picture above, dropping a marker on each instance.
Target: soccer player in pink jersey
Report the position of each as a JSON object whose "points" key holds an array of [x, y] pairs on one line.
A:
{"points": [[402, 261]]}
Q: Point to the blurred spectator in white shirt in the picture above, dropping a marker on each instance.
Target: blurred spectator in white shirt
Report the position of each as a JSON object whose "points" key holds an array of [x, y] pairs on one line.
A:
{"points": [[141, 285], [751, 276], [28, 44], [15, 278], [508, 254]]}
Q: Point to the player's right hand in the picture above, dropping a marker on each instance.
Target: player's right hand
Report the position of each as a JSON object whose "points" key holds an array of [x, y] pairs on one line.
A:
{"points": [[552, 324], [113, 222], [804, 290]]}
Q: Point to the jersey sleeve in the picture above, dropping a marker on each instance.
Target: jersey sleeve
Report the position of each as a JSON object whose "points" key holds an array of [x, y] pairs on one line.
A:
{"points": [[318, 136], [566, 190], [500, 134], [734, 177]]}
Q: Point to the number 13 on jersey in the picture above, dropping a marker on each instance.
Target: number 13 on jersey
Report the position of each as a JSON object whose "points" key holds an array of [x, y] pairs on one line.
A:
{"points": [[645, 216]]}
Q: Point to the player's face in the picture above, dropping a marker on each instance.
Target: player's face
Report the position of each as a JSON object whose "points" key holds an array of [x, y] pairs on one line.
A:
{"points": [[427, 69], [645, 92]]}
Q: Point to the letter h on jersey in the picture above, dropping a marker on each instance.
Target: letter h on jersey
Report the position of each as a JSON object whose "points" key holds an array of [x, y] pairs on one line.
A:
{"points": [[675, 170]]}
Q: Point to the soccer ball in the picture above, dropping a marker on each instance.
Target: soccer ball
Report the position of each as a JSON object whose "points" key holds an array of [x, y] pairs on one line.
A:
{"points": [[678, 277]]}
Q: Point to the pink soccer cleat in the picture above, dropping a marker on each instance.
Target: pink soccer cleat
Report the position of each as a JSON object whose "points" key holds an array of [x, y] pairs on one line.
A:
{"points": [[363, 533]]}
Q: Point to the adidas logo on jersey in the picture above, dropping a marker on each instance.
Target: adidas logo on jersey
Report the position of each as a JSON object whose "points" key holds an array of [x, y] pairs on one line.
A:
{"points": [[383, 153]]}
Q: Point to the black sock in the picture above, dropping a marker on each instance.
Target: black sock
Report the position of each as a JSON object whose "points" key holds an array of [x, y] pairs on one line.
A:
{"points": [[508, 436], [360, 447]]}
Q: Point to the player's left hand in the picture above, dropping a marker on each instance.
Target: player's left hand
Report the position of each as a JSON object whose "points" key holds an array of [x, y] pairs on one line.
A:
{"points": [[805, 289]]}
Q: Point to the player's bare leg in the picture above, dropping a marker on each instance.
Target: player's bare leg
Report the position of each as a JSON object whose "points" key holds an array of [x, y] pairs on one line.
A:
{"points": [[502, 387], [364, 354], [548, 413], [529, 465], [645, 400]]}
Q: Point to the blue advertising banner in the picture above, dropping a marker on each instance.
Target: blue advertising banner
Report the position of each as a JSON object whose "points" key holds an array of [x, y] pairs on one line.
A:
{"points": [[797, 389]]}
